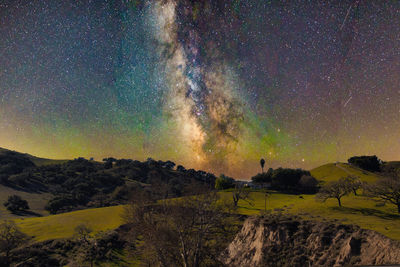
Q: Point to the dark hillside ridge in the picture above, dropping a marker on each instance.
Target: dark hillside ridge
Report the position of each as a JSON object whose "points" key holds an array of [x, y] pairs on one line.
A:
{"points": [[291, 241], [81, 183]]}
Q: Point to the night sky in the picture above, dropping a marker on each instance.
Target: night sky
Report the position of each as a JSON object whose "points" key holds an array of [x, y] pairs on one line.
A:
{"points": [[212, 85]]}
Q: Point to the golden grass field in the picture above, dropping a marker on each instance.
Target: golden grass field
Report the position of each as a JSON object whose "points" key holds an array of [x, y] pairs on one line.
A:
{"points": [[359, 210], [334, 171], [63, 225]]}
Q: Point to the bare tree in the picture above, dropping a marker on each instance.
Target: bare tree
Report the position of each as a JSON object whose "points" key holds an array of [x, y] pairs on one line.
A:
{"points": [[10, 237], [353, 182], [180, 232], [88, 244], [82, 231], [337, 189], [241, 193], [387, 189]]}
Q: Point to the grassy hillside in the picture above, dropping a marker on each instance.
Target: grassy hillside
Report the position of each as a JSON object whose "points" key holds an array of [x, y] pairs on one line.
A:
{"points": [[36, 160], [63, 225], [357, 210], [36, 202], [335, 171]]}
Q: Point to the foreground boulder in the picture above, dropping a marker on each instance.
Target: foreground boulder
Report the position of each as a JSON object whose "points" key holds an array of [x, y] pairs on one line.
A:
{"points": [[291, 241]]}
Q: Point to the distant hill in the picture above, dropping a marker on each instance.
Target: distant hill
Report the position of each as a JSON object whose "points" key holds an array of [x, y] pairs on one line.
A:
{"points": [[81, 183], [36, 160], [335, 171], [63, 225]]}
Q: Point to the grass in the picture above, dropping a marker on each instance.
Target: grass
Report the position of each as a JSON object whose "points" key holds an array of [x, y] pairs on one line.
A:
{"points": [[335, 171], [36, 202], [355, 210], [63, 225]]}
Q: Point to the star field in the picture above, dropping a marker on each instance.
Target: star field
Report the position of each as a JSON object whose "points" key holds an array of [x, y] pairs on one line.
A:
{"points": [[214, 85]]}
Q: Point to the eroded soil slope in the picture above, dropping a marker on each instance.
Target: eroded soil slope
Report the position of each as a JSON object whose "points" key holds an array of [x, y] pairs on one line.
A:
{"points": [[291, 241]]}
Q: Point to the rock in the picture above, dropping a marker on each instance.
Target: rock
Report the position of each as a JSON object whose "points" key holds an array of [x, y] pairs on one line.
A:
{"points": [[291, 241]]}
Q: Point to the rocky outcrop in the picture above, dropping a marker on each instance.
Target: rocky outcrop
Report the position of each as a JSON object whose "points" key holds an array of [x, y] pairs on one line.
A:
{"points": [[291, 241]]}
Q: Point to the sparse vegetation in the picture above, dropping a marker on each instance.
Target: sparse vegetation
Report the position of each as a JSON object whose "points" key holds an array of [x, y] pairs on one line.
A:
{"points": [[10, 238], [181, 232]]}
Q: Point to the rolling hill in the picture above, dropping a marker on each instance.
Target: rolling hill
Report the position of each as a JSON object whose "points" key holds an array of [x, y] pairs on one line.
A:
{"points": [[36, 160], [63, 225], [357, 209], [334, 171]]}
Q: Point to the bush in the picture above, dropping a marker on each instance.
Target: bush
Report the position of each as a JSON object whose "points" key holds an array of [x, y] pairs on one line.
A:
{"points": [[263, 178], [287, 178], [224, 182], [368, 163], [16, 203], [58, 203], [308, 184]]}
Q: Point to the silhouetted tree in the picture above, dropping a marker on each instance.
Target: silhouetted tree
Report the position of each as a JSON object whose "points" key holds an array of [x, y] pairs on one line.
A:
{"points": [[187, 232], [169, 165], [387, 189], [10, 237], [224, 182], [180, 168], [15, 203], [369, 163], [336, 189], [285, 178], [108, 162], [263, 178], [308, 183], [241, 193], [262, 163], [353, 183]]}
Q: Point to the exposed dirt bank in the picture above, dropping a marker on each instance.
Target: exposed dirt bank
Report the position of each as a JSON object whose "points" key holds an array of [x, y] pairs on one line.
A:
{"points": [[289, 241]]}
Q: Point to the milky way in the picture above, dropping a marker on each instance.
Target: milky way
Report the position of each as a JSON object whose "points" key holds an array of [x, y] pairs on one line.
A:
{"points": [[208, 84]]}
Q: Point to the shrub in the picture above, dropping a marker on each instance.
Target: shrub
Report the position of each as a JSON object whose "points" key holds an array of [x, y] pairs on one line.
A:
{"points": [[224, 182], [309, 184], [369, 163], [283, 178], [16, 203]]}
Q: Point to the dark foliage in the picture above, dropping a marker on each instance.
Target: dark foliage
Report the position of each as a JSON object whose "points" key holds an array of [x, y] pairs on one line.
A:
{"points": [[224, 182], [12, 163], [84, 183], [64, 252], [10, 238], [263, 178], [15, 203], [308, 184], [287, 179], [368, 163]]}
